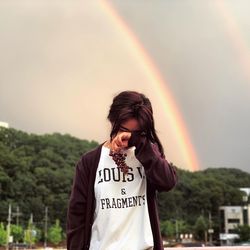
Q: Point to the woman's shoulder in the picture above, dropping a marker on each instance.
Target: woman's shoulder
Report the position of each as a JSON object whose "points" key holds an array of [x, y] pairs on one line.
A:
{"points": [[93, 152], [92, 155]]}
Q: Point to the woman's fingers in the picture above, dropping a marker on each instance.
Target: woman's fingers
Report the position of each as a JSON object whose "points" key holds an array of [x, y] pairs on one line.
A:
{"points": [[120, 141]]}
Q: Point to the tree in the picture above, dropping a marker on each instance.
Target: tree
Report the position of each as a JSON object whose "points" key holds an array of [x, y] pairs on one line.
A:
{"points": [[31, 234], [55, 233], [3, 235], [16, 232], [244, 232], [200, 228], [167, 228]]}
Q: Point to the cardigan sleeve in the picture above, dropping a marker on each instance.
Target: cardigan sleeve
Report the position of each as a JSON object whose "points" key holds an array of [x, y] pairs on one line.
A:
{"points": [[77, 209], [157, 169]]}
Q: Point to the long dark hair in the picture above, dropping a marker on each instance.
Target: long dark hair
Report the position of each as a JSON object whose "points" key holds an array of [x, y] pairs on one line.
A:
{"points": [[131, 104]]}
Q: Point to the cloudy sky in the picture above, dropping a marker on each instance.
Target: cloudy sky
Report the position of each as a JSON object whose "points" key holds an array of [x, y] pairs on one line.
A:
{"points": [[62, 62]]}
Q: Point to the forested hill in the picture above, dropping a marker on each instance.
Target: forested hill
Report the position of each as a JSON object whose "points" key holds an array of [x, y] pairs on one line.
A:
{"points": [[202, 192], [37, 171]]}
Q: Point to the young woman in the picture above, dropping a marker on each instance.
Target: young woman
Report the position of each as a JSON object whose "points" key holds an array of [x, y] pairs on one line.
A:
{"points": [[113, 200]]}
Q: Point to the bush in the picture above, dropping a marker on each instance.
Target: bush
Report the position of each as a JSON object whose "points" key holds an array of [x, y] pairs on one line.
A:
{"points": [[3, 235], [16, 232], [32, 234], [244, 232], [55, 233], [200, 228], [168, 229]]}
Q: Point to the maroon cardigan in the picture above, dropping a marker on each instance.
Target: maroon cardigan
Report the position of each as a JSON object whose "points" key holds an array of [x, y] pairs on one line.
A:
{"points": [[160, 177]]}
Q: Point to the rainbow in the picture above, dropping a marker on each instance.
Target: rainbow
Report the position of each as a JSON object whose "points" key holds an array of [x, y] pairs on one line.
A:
{"points": [[158, 85], [235, 36]]}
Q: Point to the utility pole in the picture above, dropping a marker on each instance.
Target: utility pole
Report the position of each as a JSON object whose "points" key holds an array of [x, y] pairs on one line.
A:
{"points": [[45, 227], [176, 231], [8, 227], [17, 214], [210, 230], [31, 235], [31, 219]]}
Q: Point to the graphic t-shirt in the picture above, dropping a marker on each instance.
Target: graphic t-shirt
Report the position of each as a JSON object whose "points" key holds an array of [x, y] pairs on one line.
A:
{"points": [[121, 219]]}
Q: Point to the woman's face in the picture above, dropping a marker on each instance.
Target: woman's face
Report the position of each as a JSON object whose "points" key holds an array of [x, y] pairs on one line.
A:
{"points": [[131, 125]]}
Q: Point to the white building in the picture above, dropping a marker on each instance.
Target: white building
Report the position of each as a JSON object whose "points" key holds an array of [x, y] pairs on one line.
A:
{"points": [[4, 124], [246, 190], [233, 216]]}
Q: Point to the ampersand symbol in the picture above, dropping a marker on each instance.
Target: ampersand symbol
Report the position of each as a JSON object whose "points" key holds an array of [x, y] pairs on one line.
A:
{"points": [[123, 191]]}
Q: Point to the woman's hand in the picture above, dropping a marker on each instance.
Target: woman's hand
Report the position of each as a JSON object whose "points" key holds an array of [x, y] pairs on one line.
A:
{"points": [[120, 141]]}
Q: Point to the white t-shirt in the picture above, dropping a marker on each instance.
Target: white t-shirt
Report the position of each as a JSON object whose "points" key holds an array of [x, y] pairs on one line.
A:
{"points": [[121, 219]]}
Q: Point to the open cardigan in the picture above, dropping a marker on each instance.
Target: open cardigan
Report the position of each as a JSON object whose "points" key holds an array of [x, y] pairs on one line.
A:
{"points": [[160, 175]]}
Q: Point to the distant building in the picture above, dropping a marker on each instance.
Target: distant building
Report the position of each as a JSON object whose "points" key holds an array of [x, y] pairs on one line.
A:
{"points": [[233, 216], [4, 124], [246, 190]]}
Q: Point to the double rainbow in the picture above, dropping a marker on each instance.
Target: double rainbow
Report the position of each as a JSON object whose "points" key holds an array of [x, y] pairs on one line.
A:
{"points": [[159, 86]]}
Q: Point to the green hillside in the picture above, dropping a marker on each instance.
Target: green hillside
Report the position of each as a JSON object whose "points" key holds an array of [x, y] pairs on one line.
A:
{"points": [[37, 171]]}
